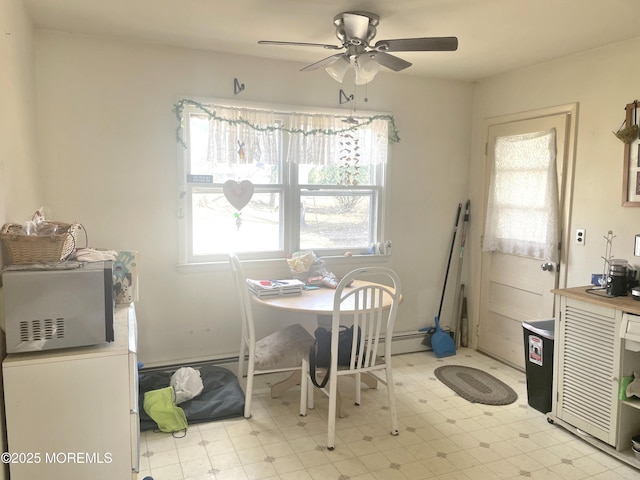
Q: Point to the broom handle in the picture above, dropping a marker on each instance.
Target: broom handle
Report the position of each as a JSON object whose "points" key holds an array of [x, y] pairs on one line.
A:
{"points": [[446, 275]]}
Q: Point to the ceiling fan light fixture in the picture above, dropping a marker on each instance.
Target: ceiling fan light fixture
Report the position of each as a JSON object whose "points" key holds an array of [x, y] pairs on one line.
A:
{"points": [[366, 67], [338, 69]]}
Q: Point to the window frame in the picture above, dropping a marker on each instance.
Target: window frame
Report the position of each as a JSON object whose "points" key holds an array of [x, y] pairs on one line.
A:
{"points": [[290, 193]]}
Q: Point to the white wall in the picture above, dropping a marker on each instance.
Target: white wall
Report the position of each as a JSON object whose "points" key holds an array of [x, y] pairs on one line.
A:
{"points": [[19, 188], [602, 82], [108, 152]]}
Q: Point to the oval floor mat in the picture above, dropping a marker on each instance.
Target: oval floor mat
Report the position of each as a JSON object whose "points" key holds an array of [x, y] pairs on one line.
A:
{"points": [[475, 385]]}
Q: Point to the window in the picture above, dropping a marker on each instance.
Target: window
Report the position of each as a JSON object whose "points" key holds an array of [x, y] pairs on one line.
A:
{"points": [[266, 183]]}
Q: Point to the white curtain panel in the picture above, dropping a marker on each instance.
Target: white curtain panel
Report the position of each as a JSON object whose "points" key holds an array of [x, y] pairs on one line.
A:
{"points": [[522, 209]]}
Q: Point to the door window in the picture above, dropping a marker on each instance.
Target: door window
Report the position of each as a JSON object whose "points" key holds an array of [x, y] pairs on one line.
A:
{"points": [[522, 208]]}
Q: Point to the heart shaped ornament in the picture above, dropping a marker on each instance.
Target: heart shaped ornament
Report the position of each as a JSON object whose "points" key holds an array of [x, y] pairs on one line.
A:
{"points": [[238, 193]]}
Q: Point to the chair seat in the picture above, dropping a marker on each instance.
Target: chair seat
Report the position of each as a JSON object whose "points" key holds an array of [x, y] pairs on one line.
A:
{"points": [[284, 348]]}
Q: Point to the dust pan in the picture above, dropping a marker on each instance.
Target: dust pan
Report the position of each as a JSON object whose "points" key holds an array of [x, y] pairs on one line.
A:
{"points": [[442, 343]]}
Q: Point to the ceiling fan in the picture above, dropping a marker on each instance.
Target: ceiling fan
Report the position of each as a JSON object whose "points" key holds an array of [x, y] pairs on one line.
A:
{"points": [[356, 31]]}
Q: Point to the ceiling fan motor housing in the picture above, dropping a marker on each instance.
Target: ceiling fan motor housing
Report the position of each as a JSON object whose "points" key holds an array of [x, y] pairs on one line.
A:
{"points": [[356, 28]]}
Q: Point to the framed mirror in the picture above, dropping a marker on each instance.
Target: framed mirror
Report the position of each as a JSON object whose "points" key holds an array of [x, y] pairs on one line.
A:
{"points": [[631, 169]]}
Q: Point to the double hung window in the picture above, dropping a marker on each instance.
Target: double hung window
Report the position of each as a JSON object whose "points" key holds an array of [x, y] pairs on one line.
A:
{"points": [[265, 183]]}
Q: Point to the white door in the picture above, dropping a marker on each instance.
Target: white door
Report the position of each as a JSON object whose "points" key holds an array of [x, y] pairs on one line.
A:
{"points": [[516, 288]]}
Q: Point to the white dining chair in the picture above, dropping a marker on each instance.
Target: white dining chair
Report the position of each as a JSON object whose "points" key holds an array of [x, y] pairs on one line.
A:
{"points": [[280, 351], [362, 306]]}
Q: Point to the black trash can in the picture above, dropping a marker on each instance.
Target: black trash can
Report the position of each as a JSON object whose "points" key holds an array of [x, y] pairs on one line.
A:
{"points": [[538, 359]]}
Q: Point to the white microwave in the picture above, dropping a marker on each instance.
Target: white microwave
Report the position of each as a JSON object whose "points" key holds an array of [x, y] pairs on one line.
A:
{"points": [[69, 304]]}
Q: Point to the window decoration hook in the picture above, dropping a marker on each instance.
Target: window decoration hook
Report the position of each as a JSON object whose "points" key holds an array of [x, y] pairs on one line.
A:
{"points": [[344, 98], [237, 86]]}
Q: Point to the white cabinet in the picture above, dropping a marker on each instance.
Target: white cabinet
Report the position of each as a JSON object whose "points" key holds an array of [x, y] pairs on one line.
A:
{"points": [[591, 357], [73, 413], [586, 395], [629, 412]]}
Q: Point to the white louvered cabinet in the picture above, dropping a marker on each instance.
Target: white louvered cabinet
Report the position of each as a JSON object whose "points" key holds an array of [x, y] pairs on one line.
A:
{"points": [[586, 387], [591, 356]]}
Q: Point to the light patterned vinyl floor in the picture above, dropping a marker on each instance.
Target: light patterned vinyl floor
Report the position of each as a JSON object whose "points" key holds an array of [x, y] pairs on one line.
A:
{"points": [[442, 437]]}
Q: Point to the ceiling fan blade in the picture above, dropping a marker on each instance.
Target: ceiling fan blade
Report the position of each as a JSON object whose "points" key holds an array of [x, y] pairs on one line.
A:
{"points": [[300, 44], [390, 61], [426, 44], [322, 63], [355, 25]]}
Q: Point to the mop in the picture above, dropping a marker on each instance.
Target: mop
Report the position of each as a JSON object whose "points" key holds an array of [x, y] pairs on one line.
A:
{"points": [[460, 288], [441, 342]]}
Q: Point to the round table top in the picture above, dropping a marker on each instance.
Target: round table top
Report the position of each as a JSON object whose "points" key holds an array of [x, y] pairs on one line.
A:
{"points": [[319, 301]]}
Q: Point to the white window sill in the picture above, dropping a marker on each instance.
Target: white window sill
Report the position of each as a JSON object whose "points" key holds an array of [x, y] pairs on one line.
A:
{"points": [[338, 260]]}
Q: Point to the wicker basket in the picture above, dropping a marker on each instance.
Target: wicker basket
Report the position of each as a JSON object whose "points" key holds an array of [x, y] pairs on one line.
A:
{"points": [[29, 249]]}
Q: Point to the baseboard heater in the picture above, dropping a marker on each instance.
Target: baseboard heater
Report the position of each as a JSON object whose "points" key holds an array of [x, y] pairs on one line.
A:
{"points": [[407, 342]]}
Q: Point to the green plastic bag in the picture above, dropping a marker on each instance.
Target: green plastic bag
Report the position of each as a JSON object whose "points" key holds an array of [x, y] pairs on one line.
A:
{"points": [[622, 393], [161, 406]]}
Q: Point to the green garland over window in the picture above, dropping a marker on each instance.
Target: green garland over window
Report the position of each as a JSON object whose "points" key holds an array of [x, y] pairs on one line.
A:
{"points": [[179, 108]]}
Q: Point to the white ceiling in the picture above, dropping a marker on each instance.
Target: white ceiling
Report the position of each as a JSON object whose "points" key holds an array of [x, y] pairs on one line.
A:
{"points": [[494, 35]]}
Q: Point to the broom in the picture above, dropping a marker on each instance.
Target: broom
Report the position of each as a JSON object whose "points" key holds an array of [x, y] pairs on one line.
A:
{"points": [[441, 342]]}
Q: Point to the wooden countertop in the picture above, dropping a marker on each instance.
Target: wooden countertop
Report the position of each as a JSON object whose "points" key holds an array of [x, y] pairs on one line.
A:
{"points": [[625, 304]]}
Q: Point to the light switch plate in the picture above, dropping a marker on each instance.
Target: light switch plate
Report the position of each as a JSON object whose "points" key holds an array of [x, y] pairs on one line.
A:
{"points": [[580, 236], [636, 247]]}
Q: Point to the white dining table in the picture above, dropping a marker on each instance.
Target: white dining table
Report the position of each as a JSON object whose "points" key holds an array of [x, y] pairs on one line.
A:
{"points": [[318, 302]]}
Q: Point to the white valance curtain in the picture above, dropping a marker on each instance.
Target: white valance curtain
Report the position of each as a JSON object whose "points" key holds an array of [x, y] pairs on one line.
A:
{"points": [[522, 209], [322, 139], [233, 136], [244, 135]]}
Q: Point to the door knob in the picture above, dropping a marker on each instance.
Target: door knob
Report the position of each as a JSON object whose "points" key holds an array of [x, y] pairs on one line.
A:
{"points": [[547, 267]]}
